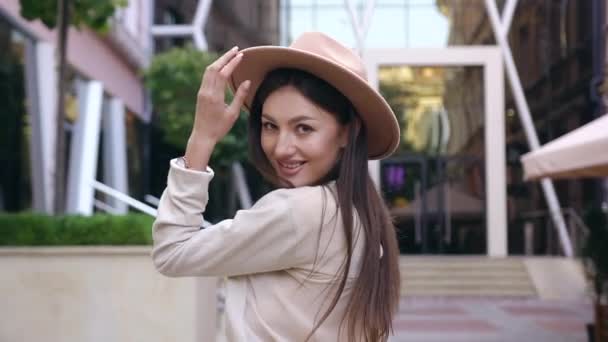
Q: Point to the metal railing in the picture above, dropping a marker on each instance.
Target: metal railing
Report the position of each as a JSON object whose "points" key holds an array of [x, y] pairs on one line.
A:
{"points": [[130, 201], [538, 223]]}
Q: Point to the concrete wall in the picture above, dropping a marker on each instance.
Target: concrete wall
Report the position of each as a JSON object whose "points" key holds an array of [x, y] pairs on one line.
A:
{"points": [[557, 278], [100, 294]]}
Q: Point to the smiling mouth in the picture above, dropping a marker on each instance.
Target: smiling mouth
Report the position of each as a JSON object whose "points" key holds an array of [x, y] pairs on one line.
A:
{"points": [[292, 165], [290, 168]]}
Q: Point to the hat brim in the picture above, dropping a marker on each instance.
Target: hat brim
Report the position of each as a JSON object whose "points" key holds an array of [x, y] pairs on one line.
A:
{"points": [[380, 122]]}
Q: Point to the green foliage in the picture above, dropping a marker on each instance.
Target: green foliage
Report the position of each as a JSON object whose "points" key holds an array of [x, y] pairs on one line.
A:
{"points": [[91, 13], [173, 79], [27, 229]]}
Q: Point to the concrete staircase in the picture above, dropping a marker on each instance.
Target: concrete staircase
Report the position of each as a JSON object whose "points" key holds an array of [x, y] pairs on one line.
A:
{"points": [[465, 276]]}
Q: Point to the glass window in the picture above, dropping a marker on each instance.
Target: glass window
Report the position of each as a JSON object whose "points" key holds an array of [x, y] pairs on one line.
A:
{"points": [[299, 3], [15, 131], [387, 29], [424, 2], [427, 26], [394, 24], [336, 23], [299, 20]]}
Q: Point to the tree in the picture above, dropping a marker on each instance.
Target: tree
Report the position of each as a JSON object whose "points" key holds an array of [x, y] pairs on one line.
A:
{"points": [[173, 79], [94, 14], [61, 14]]}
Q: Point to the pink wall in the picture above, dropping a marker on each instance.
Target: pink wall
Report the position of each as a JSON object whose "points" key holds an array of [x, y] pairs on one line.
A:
{"points": [[90, 55]]}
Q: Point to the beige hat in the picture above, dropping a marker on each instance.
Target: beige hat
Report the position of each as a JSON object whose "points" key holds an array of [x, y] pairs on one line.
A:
{"points": [[318, 54]]}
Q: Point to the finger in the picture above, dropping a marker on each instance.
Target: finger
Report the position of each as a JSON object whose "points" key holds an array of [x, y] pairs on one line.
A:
{"points": [[222, 60], [239, 97], [209, 76], [224, 74]]}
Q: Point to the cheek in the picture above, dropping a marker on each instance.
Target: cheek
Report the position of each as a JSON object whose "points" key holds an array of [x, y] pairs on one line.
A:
{"points": [[324, 147], [267, 144]]}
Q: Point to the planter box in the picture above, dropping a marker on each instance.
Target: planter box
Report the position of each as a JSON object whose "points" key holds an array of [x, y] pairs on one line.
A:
{"points": [[91, 294]]}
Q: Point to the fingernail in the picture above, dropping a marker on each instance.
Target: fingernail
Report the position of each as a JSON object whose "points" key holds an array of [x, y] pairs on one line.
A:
{"points": [[240, 55], [247, 84], [235, 48]]}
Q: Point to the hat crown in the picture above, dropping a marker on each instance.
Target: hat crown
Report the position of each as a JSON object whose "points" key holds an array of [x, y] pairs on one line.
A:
{"points": [[320, 44]]}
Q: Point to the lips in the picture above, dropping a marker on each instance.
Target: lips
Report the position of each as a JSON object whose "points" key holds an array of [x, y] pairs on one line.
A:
{"points": [[290, 168]]}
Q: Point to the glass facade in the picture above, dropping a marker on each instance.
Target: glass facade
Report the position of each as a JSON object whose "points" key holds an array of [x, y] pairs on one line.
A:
{"points": [[434, 184], [394, 24], [440, 163]]}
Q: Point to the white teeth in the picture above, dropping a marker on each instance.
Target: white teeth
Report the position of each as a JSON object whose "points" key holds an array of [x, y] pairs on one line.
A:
{"points": [[291, 165]]}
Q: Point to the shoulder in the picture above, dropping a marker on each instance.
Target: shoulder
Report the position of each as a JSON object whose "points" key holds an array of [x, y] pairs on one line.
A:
{"points": [[300, 194], [307, 202]]}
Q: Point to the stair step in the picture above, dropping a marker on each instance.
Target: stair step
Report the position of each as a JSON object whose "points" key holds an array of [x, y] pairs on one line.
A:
{"points": [[467, 293], [467, 273], [465, 276], [465, 281]]}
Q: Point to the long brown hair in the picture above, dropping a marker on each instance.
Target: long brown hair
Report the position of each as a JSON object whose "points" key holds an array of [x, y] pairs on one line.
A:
{"points": [[375, 294]]}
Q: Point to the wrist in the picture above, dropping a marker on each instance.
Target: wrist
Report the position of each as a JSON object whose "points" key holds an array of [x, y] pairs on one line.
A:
{"points": [[198, 152], [201, 139]]}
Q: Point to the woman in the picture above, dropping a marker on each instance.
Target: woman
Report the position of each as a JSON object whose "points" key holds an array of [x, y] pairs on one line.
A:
{"points": [[316, 259]]}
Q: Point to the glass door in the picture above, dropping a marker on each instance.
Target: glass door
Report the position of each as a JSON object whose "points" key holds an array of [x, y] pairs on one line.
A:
{"points": [[437, 184]]}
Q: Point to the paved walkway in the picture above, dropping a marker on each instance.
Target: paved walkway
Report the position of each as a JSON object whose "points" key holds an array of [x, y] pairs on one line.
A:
{"points": [[491, 320]]}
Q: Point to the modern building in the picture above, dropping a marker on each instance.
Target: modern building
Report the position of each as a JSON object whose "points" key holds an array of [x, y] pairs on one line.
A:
{"points": [[438, 63], [455, 184], [105, 102], [441, 68]]}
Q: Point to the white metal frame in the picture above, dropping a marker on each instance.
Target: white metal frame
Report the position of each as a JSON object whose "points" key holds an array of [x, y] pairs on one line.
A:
{"points": [[360, 23], [93, 184], [495, 163], [196, 29]]}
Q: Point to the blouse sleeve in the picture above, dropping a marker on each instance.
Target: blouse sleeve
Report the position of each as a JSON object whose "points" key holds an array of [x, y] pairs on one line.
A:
{"points": [[259, 239]]}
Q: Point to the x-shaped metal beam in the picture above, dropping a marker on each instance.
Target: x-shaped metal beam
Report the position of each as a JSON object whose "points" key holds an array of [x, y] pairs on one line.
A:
{"points": [[360, 23], [501, 30]]}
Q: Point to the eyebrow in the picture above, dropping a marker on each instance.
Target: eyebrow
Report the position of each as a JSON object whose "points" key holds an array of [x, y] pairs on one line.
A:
{"points": [[292, 120]]}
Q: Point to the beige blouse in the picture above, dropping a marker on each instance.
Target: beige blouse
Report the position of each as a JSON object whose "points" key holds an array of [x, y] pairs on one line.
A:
{"points": [[282, 257]]}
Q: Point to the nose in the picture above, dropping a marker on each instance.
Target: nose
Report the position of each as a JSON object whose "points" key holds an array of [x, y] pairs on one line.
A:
{"points": [[285, 146]]}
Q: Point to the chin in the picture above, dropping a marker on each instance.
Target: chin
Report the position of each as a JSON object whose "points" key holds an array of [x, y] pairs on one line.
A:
{"points": [[295, 182]]}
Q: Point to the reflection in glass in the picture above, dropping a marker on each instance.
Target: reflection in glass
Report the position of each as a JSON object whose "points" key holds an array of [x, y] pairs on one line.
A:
{"points": [[420, 95], [434, 183]]}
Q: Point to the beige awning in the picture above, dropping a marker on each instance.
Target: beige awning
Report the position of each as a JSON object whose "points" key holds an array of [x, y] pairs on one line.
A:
{"points": [[580, 153]]}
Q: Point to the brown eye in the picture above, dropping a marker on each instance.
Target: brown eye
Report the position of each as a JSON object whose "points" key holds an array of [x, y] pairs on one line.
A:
{"points": [[268, 126], [304, 129]]}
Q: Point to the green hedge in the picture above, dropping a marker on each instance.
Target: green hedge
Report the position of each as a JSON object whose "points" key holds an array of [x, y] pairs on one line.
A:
{"points": [[27, 229]]}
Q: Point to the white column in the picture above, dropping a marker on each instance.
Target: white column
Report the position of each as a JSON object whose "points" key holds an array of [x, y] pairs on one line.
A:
{"points": [[115, 173], [84, 149], [42, 94], [495, 159]]}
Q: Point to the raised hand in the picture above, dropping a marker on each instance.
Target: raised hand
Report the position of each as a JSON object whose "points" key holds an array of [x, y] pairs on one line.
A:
{"points": [[213, 118]]}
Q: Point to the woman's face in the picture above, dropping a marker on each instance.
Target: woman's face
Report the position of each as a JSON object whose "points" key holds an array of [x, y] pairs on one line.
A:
{"points": [[301, 140]]}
